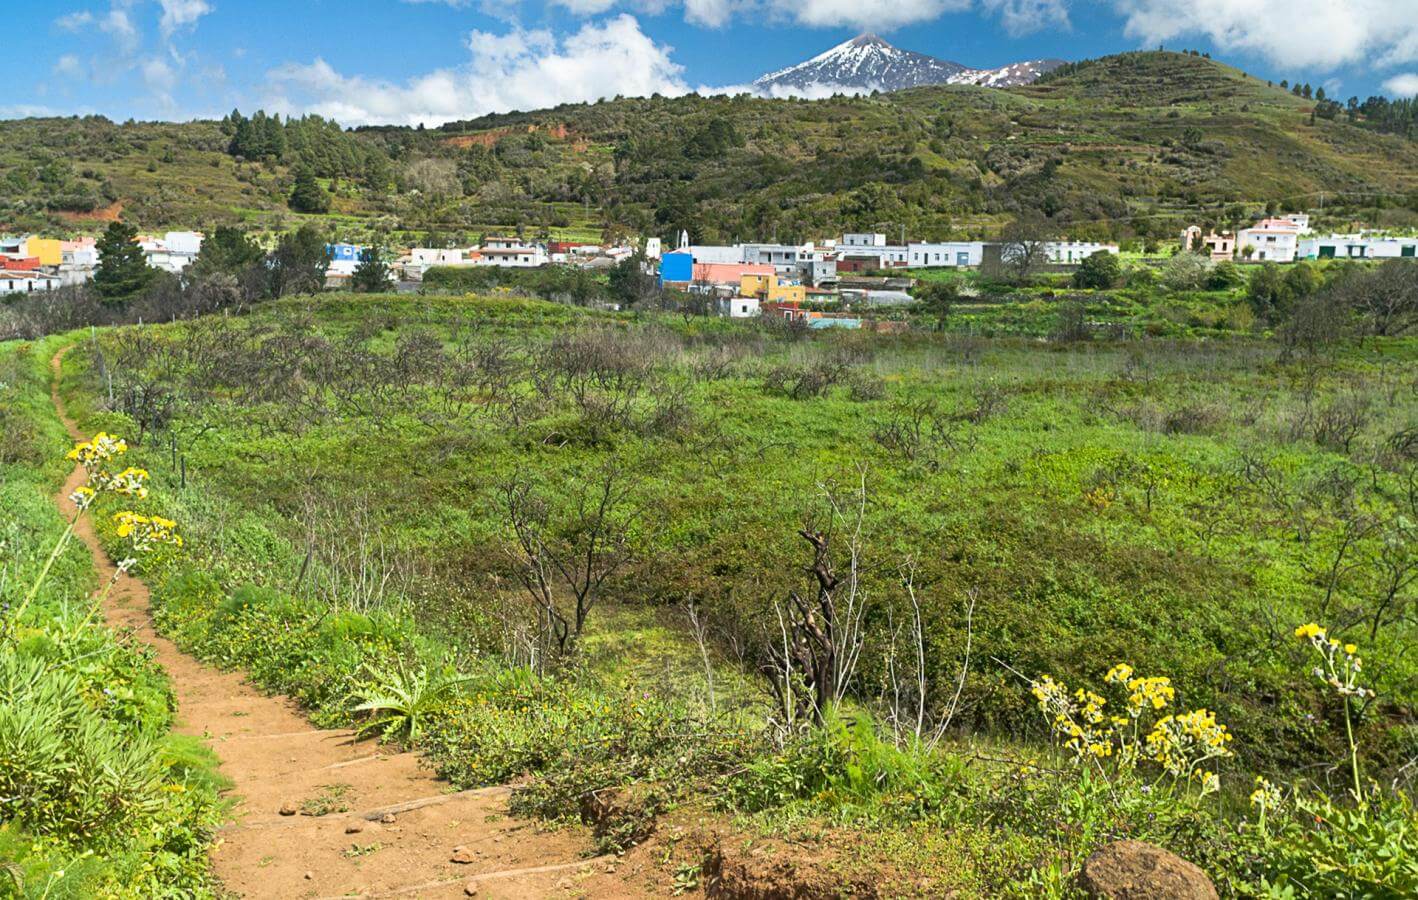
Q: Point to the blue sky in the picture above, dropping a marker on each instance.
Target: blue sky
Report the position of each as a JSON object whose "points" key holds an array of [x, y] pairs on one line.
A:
{"points": [[408, 61]]}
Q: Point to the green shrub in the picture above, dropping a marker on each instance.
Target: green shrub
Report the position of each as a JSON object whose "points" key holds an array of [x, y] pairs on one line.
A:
{"points": [[64, 770]]}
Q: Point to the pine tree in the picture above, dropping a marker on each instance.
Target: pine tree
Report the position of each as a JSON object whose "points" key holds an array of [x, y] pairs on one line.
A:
{"points": [[371, 276], [298, 264], [228, 251], [123, 271], [308, 196]]}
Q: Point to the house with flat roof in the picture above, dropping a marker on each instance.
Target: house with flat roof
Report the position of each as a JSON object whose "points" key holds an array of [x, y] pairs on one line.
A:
{"points": [[1269, 240], [1358, 246]]}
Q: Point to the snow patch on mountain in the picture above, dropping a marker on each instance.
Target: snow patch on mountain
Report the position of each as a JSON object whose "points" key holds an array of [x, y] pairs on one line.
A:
{"points": [[868, 63]]}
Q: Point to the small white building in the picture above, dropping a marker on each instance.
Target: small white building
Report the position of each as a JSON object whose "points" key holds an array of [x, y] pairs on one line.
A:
{"points": [[513, 256], [428, 257], [173, 252], [1071, 253], [1358, 246], [887, 256], [28, 282], [654, 248], [421, 259], [863, 240], [783, 257], [950, 254], [711, 254], [740, 307], [1269, 240]]}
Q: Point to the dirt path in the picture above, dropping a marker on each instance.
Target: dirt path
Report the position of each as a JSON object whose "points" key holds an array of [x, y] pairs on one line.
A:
{"points": [[401, 825]]}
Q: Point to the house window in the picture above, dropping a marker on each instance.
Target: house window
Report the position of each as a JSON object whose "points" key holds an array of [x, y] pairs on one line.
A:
{"points": [[1408, 251]]}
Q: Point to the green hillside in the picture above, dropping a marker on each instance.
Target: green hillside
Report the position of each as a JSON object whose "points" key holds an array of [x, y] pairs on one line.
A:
{"points": [[1126, 146]]}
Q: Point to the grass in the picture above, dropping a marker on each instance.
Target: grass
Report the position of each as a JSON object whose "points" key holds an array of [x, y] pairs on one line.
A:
{"points": [[100, 798], [1129, 500]]}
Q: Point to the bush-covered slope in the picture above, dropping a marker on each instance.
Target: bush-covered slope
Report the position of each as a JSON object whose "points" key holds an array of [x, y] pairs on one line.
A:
{"points": [[1130, 145]]}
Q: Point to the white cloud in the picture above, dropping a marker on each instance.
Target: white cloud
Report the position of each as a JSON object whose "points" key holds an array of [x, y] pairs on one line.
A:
{"points": [[1402, 86], [518, 70], [709, 13], [585, 7], [868, 15], [29, 111], [68, 66], [117, 23], [1020, 17], [882, 15], [75, 21], [1296, 34], [160, 78], [178, 14]]}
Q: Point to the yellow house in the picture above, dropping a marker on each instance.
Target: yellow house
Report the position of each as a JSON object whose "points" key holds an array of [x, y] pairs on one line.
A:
{"points": [[769, 289], [47, 250]]}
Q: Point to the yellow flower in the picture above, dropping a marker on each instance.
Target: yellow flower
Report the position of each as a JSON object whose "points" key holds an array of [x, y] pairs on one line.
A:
{"points": [[1350, 649], [1118, 674], [1311, 630]]}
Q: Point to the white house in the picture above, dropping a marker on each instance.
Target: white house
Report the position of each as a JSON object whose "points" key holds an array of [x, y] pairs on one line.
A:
{"points": [[80, 260], [1071, 253], [27, 282], [783, 257], [421, 259], [740, 307], [173, 252], [1358, 246], [427, 257], [863, 240], [710, 254], [1269, 240], [887, 256], [956, 253], [513, 255]]}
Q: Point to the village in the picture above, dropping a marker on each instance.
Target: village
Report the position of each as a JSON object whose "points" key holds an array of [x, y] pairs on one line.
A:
{"points": [[823, 284]]}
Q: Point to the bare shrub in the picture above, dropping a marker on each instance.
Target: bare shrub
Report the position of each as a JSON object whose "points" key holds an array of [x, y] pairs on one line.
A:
{"points": [[987, 400], [812, 660], [804, 382], [866, 387], [565, 547], [919, 432], [1340, 422], [348, 563], [1192, 418]]}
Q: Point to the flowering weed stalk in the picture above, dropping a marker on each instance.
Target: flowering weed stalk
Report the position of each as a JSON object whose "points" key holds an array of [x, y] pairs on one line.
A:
{"points": [[144, 533], [1180, 744], [1339, 668]]}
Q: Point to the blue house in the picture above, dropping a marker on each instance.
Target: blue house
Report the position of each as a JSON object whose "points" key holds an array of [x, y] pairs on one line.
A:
{"points": [[676, 268], [344, 252]]}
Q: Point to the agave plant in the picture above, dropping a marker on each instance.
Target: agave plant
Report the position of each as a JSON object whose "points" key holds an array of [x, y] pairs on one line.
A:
{"points": [[399, 700]]}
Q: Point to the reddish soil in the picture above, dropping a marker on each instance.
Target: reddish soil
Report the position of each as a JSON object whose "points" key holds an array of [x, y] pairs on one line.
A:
{"points": [[397, 828], [489, 138], [111, 213]]}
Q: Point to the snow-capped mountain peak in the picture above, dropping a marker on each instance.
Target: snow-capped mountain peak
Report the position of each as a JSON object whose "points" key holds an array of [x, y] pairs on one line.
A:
{"points": [[869, 63]]}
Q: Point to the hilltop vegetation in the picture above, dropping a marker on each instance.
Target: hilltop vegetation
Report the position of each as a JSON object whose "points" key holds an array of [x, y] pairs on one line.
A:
{"points": [[1126, 146]]}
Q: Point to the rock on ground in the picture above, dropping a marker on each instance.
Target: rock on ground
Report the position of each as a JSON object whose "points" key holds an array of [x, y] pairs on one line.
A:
{"points": [[1133, 870]]}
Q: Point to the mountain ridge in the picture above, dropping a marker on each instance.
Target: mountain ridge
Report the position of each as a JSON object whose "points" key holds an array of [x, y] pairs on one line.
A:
{"points": [[868, 63]]}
